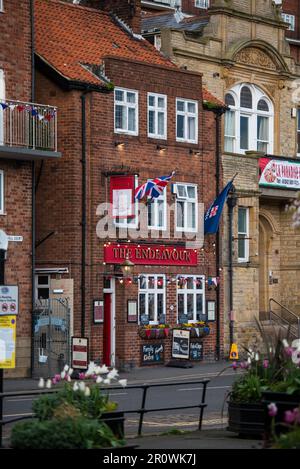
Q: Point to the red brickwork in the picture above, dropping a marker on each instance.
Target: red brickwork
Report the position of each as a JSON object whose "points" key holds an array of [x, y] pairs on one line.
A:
{"points": [[15, 61]]}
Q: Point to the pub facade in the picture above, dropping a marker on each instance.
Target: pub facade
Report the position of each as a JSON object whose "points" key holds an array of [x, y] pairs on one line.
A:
{"points": [[131, 270]]}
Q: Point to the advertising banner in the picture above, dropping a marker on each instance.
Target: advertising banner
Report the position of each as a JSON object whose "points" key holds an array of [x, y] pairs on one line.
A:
{"points": [[279, 173]]}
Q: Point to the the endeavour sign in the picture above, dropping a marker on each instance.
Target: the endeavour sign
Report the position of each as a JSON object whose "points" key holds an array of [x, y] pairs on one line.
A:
{"points": [[279, 173], [149, 254]]}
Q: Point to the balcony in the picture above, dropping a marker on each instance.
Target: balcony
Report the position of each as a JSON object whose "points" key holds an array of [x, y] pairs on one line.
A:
{"points": [[28, 131]]}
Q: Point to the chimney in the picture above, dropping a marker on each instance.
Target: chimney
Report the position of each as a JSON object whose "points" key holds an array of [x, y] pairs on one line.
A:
{"points": [[127, 10]]}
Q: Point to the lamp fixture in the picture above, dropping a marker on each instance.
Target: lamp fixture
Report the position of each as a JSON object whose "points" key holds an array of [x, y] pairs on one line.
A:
{"points": [[159, 148], [195, 152], [119, 144]]}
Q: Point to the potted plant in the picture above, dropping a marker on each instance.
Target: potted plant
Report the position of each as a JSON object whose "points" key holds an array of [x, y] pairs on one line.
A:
{"points": [[76, 416]]}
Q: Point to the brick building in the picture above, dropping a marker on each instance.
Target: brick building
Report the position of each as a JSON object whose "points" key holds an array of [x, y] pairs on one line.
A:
{"points": [[249, 57], [25, 137], [128, 114]]}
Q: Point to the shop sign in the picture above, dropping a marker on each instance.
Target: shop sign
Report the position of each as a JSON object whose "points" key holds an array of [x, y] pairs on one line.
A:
{"points": [[9, 299], [152, 354], [7, 342], [150, 255], [181, 344], [196, 351], [279, 173], [79, 353]]}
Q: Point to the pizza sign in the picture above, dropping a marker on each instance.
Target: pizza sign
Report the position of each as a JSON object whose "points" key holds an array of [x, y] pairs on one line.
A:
{"points": [[279, 173]]}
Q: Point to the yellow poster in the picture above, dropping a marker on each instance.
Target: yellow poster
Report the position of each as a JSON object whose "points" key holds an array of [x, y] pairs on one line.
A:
{"points": [[7, 341]]}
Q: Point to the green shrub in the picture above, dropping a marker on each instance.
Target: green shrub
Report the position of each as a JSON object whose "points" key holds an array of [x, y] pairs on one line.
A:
{"points": [[64, 433], [289, 440]]}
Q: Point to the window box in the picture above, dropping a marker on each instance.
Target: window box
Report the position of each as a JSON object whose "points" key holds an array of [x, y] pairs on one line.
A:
{"points": [[154, 332], [198, 330]]}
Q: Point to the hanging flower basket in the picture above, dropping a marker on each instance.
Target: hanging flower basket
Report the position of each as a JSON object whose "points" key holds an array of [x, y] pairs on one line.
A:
{"points": [[197, 331], [154, 332]]}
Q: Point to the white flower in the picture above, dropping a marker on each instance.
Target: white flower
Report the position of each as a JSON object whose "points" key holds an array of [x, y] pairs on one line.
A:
{"points": [[106, 381], [249, 361], [69, 379], [113, 374], [48, 384], [99, 380], [123, 382], [66, 367], [63, 375], [70, 371], [82, 386], [87, 392], [91, 369], [257, 357], [75, 387], [97, 370], [41, 383], [103, 370], [296, 357], [285, 343]]}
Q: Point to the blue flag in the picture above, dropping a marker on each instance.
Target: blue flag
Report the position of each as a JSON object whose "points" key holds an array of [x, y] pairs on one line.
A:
{"points": [[213, 214]]}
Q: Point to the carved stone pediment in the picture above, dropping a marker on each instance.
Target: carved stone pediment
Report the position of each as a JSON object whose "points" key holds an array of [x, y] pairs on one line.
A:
{"points": [[256, 57]]}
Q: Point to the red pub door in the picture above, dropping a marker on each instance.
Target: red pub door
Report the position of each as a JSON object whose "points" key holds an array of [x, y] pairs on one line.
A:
{"points": [[107, 329]]}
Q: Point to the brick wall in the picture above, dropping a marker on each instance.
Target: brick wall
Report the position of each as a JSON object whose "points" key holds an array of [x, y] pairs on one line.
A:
{"points": [[15, 61], [59, 194]]}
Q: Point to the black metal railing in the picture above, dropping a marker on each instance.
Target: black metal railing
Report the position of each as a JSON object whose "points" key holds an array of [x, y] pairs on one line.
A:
{"points": [[142, 410]]}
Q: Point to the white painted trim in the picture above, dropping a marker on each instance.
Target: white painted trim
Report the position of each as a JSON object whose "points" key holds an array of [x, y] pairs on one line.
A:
{"points": [[185, 229], [187, 114], [136, 107], [156, 109], [247, 244], [156, 291], [193, 291], [112, 291]]}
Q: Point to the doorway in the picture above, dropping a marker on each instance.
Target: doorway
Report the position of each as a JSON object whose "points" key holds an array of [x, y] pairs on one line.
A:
{"points": [[109, 326], [265, 240]]}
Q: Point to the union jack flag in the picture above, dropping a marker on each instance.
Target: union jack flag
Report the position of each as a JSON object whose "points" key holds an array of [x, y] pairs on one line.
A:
{"points": [[153, 188]]}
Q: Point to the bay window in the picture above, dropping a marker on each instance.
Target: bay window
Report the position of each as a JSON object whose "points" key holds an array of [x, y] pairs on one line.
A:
{"points": [[249, 120], [126, 111], [191, 298], [152, 299]]}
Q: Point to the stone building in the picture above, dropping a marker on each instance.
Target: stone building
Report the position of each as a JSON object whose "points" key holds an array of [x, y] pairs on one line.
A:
{"points": [[128, 114], [27, 135], [248, 58]]}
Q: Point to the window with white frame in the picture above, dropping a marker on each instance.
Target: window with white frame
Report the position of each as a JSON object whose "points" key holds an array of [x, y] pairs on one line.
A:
{"points": [[1, 192], [157, 116], [287, 18], [191, 298], [249, 121], [126, 111], [186, 121], [152, 298], [1, 6], [186, 207], [42, 286], [130, 222], [202, 4], [157, 212], [243, 234]]}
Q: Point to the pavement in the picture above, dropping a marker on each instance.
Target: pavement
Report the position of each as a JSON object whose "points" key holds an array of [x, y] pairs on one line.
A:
{"points": [[213, 435]]}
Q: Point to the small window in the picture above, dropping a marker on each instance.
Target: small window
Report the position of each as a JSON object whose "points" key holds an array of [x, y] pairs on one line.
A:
{"points": [[126, 111], [186, 121], [157, 212], [130, 222], [289, 19], [243, 234], [152, 298], [42, 287], [263, 105], [157, 116], [202, 4], [246, 98], [186, 207], [191, 298]]}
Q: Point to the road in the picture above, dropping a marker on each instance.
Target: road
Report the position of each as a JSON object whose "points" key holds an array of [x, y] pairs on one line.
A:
{"points": [[185, 394]]}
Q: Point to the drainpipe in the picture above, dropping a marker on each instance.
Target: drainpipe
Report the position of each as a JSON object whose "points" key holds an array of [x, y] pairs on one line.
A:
{"points": [[231, 202], [83, 213]]}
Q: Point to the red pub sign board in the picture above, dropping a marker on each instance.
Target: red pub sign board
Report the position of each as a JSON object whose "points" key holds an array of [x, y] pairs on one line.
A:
{"points": [[150, 255]]}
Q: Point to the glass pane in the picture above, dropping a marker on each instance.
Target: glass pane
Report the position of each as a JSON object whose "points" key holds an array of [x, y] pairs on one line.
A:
{"points": [[263, 105], [161, 103], [151, 283], [130, 97], [190, 283], [242, 220], [230, 124], [199, 303], [142, 298], [180, 126], [263, 129], [161, 213], [298, 119], [229, 144], [151, 213], [244, 133], [161, 123], [107, 283], [180, 305], [160, 306], [160, 283], [181, 190], [43, 279], [180, 214], [142, 282], [191, 128], [151, 101], [241, 247], [191, 215], [190, 306], [192, 107], [229, 100], [131, 119], [151, 122], [246, 98], [120, 117], [119, 95], [43, 293], [180, 283], [298, 142], [199, 285], [180, 105], [151, 309], [191, 190]]}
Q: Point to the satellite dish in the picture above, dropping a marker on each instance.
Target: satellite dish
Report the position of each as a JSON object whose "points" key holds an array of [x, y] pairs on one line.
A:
{"points": [[3, 240]]}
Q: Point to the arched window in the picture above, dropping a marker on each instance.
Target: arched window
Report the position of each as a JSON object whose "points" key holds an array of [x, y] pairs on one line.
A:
{"points": [[249, 120]]}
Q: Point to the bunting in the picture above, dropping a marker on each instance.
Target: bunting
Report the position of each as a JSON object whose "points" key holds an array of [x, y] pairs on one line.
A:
{"points": [[41, 114]]}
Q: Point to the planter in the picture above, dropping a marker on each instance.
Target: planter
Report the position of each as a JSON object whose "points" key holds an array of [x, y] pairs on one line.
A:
{"points": [[115, 421], [151, 334], [246, 419], [283, 402]]}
